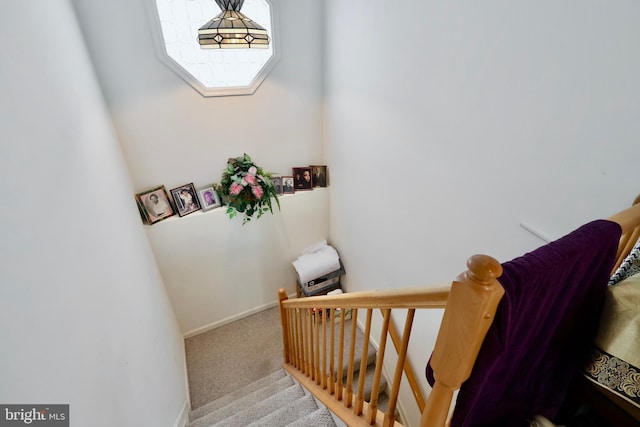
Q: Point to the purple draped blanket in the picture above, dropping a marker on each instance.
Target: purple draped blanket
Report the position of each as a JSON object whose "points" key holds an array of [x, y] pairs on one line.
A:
{"points": [[543, 330]]}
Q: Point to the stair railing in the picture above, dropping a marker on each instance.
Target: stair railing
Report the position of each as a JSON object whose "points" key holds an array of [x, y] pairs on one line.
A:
{"points": [[314, 337], [470, 305]]}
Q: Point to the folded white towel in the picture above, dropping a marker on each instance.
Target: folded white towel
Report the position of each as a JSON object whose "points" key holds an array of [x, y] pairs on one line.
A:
{"points": [[315, 248], [322, 259]]}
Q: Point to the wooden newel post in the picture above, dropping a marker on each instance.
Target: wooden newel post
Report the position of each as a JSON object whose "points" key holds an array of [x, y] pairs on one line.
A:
{"points": [[282, 296], [471, 307]]}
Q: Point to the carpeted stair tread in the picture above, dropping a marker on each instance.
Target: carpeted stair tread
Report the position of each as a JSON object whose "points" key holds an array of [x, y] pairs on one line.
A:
{"points": [[279, 400], [371, 351], [238, 405], [238, 394], [263, 408], [383, 404], [368, 382], [289, 413], [319, 418]]}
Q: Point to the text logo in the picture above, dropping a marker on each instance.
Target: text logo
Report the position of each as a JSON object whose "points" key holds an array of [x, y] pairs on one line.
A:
{"points": [[34, 415]]}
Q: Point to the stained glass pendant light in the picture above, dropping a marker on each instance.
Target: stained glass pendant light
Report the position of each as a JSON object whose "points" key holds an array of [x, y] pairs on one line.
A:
{"points": [[232, 30]]}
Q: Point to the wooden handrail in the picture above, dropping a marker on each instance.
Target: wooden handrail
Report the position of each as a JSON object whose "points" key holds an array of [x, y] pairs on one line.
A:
{"points": [[470, 304], [306, 348], [628, 218], [470, 311], [430, 297], [282, 295], [477, 290]]}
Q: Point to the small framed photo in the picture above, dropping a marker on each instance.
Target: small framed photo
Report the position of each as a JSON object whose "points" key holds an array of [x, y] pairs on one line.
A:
{"points": [[155, 205], [277, 184], [209, 198], [287, 185], [302, 178], [141, 210], [319, 175], [185, 199]]}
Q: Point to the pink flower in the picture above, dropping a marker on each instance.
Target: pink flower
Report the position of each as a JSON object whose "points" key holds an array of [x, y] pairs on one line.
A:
{"points": [[251, 179], [253, 170], [235, 189], [257, 191]]}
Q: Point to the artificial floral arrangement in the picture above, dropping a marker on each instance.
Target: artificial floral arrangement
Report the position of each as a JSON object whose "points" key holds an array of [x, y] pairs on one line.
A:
{"points": [[247, 189]]}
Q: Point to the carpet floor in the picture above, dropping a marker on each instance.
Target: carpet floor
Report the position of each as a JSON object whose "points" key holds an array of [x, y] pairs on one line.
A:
{"points": [[229, 357]]}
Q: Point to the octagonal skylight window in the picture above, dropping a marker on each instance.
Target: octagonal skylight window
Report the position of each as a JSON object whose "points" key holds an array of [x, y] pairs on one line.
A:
{"points": [[212, 72]]}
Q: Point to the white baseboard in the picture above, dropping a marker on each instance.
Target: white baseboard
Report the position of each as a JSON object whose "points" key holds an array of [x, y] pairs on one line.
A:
{"points": [[183, 418], [186, 377], [230, 319]]}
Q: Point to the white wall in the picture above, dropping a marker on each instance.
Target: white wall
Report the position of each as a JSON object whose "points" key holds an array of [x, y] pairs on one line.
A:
{"points": [[84, 313], [171, 136], [450, 123], [217, 271]]}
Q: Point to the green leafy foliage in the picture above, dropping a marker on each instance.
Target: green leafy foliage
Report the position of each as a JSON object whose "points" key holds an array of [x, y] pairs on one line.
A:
{"points": [[247, 188]]}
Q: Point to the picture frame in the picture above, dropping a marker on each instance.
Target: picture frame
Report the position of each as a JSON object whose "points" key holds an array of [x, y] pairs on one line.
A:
{"points": [[141, 211], [277, 184], [319, 175], [209, 198], [287, 185], [302, 178], [154, 204], [185, 199]]}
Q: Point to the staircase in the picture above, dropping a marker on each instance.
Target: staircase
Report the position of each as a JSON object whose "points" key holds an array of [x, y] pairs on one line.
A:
{"points": [[278, 400], [273, 401]]}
